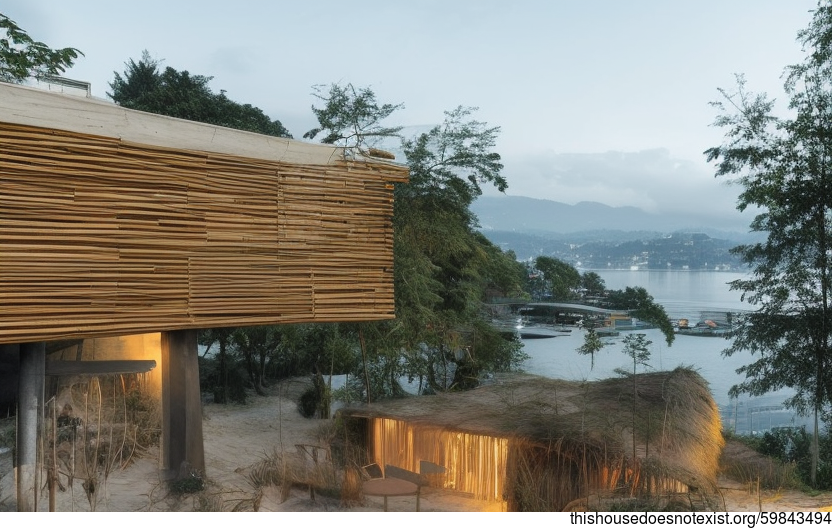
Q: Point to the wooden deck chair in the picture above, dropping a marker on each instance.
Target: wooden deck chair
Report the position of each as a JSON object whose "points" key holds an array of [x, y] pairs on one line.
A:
{"points": [[372, 471], [429, 468], [430, 471]]}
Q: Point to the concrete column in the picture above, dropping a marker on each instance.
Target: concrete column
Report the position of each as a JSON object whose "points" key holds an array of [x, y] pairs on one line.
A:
{"points": [[30, 402], [182, 447]]}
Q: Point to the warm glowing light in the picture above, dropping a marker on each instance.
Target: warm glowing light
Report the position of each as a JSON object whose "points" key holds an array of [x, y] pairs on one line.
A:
{"points": [[474, 464]]}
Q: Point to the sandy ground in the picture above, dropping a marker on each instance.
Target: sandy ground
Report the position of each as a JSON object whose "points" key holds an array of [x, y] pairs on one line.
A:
{"points": [[239, 437]]}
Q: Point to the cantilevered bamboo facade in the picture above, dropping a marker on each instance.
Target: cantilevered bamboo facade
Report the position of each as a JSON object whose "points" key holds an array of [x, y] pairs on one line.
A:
{"points": [[118, 222]]}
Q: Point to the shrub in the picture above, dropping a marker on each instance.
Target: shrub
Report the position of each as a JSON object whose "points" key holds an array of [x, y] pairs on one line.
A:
{"points": [[308, 402]]}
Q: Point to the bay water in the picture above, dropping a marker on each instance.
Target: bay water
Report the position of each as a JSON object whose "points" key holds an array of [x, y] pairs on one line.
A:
{"points": [[684, 294]]}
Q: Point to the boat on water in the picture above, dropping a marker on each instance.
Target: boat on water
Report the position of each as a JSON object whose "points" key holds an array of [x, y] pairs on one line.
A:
{"points": [[540, 332], [706, 332]]}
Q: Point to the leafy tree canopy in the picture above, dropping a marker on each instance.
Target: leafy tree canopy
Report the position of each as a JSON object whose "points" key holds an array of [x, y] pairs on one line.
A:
{"points": [[22, 57], [179, 94], [592, 283], [351, 117], [783, 166], [562, 278], [592, 345], [641, 305], [454, 159], [443, 267]]}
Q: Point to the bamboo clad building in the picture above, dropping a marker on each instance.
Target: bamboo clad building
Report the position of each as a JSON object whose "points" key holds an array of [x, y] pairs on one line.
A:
{"points": [[117, 223], [540, 444]]}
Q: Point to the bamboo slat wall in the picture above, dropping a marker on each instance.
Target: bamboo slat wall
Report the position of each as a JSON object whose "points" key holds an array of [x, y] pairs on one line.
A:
{"points": [[102, 236]]}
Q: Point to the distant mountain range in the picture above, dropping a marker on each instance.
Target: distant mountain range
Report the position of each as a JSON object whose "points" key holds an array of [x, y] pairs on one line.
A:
{"points": [[535, 216], [594, 235]]}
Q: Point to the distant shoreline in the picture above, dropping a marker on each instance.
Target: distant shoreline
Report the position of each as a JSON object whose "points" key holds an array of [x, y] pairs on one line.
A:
{"points": [[665, 270]]}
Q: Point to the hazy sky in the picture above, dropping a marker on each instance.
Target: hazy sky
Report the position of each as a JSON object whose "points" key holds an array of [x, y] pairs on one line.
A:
{"points": [[603, 100]]}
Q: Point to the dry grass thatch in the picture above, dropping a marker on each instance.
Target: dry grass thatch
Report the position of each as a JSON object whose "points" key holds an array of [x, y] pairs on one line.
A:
{"points": [[106, 236], [566, 440], [745, 465]]}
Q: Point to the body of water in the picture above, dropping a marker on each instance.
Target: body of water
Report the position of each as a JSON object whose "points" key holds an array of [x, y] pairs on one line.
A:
{"points": [[683, 294]]}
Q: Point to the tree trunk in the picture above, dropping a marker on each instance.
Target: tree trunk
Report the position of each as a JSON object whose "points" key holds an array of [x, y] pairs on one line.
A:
{"points": [[252, 373], [223, 373], [364, 359], [323, 396], [262, 367], [813, 472]]}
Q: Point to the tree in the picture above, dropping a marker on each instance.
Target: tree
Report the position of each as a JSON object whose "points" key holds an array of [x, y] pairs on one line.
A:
{"points": [[326, 349], [592, 283], [351, 118], [220, 383], [438, 237], [637, 347], [453, 160], [503, 273], [641, 305], [783, 167], [592, 345], [443, 267], [179, 94], [563, 279], [254, 345], [22, 57]]}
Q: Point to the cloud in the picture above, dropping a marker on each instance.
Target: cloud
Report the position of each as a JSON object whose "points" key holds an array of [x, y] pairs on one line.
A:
{"points": [[651, 180]]}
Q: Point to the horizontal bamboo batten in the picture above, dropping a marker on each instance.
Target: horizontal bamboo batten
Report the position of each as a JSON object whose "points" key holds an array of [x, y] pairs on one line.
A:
{"points": [[104, 236]]}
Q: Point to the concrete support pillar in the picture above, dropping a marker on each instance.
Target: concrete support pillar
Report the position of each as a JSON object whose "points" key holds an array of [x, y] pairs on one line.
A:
{"points": [[182, 448], [30, 403]]}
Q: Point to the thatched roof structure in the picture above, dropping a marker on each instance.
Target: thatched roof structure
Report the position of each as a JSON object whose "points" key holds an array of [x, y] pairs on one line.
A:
{"points": [[116, 222], [583, 432]]}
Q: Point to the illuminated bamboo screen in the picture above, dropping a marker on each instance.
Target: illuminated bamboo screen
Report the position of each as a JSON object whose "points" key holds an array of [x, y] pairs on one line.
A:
{"points": [[101, 236], [474, 463]]}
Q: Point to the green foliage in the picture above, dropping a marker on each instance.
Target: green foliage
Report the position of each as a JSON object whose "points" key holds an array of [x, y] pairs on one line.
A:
{"points": [[592, 283], [351, 392], [226, 381], [351, 117], [504, 276], [788, 459], [641, 305], [451, 161], [788, 445], [740, 460], [22, 57], [794, 446], [319, 350], [783, 167], [562, 279], [592, 345], [637, 347], [443, 267], [309, 402], [179, 94], [193, 483]]}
